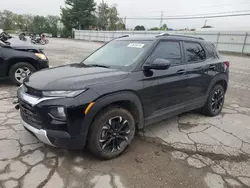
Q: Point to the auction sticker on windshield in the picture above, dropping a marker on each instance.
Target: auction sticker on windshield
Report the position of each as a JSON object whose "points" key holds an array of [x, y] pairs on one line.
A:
{"points": [[136, 45]]}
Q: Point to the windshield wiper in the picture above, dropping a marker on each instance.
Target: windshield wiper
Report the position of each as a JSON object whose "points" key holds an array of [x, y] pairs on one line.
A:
{"points": [[97, 65]]}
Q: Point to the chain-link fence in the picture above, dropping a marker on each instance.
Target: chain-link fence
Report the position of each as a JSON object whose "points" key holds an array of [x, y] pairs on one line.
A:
{"points": [[231, 41]]}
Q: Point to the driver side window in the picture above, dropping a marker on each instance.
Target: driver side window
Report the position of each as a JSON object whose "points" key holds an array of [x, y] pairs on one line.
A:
{"points": [[168, 50]]}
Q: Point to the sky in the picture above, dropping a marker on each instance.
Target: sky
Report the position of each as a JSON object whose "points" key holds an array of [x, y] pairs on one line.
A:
{"points": [[151, 8]]}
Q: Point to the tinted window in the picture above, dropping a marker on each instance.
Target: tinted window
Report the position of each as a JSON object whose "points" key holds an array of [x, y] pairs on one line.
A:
{"points": [[211, 50], [194, 52], [169, 50]]}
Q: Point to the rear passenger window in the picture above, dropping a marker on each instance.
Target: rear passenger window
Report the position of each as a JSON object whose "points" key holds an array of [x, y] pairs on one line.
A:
{"points": [[168, 50], [211, 50], [194, 52]]}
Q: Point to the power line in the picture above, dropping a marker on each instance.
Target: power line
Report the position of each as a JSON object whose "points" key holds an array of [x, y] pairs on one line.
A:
{"points": [[189, 18], [228, 12]]}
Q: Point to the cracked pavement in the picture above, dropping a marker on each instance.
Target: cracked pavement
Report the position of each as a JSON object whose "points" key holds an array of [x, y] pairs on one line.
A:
{"points": [[189, 150]]}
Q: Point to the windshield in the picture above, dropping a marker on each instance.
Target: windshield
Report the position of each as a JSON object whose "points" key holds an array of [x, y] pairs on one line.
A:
{"points": [[118, 53]]}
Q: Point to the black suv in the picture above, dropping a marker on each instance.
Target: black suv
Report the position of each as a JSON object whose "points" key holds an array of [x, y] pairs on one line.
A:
{"points": [[120, 88], [19, 59]]}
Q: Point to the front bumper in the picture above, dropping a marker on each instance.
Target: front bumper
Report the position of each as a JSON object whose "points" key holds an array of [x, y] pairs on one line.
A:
{"points": [[39, 133], [42, 64], [70, 134]]}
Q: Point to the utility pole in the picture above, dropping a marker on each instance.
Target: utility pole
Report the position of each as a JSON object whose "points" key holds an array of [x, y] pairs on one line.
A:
{"points": [[161, 20], [205, 23]]}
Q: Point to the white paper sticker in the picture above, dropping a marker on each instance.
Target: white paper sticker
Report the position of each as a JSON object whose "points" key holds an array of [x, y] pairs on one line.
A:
{"points": [[136, 45]]}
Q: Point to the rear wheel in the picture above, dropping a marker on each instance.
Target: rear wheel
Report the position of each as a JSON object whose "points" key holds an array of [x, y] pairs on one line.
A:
{"points": [[215, 101], [19, 71], [111, 132]]}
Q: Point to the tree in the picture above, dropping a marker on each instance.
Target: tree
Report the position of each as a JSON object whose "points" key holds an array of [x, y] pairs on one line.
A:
{"points": [[52, 22], [18, 21], [40, 24], [121, 25], [28, 22], [113, 18], [154, 29], [164, 27], [78, 14], [7, 19], [103, 15], [207, 26], [139, 28]]}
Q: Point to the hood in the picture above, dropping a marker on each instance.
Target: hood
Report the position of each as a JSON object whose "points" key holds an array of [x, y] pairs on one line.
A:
{"points": [[23, 45], [72, 77]]}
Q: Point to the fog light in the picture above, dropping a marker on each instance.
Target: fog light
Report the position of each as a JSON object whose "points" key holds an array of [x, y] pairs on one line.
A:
{"points": [[58, 113]]}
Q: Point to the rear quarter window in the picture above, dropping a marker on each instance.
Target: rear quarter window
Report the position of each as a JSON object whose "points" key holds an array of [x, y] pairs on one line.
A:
{"points": [[211, 50]]}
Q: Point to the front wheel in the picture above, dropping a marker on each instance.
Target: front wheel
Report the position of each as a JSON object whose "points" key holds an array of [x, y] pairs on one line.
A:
{"points": [[111, 133], [19, 71], [215, 101]]}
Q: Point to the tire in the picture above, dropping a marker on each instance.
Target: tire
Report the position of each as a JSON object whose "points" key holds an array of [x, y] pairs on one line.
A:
{"points": [[107, 143], [17, 68], [215, 101]]}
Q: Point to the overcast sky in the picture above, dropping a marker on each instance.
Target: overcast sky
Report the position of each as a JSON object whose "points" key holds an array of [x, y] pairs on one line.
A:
{"points": [[151, 8]]}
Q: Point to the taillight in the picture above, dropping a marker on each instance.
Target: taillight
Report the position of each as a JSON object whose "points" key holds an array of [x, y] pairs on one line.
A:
{"points": [[227, 63]]}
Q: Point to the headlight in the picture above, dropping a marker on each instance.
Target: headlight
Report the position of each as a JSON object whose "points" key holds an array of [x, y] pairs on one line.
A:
{"points": [[62, 93], [40, 56]]}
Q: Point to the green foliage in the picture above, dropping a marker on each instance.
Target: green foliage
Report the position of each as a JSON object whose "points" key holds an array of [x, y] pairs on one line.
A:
{"points": [[139, 28], [164, 27], [10, 21], [7, 19], [78, 14], [108, 18], [102, 20], [154, 29], [113, 18]]}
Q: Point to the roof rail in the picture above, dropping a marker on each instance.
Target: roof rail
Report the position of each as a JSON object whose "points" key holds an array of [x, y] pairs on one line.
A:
{"points": [[167, 34], [123, 36]]}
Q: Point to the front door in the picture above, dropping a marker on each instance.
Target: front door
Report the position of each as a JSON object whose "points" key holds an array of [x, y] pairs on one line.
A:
{"points": [[165, 88]]}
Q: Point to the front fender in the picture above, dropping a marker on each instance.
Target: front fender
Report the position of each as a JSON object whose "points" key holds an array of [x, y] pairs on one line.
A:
{"points": [[106, 100]]}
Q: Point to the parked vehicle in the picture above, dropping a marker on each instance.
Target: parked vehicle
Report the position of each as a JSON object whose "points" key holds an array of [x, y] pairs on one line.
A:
{"points": [[39, 40], [18, 60], [122, 87], [4, 37], [22, 37]]}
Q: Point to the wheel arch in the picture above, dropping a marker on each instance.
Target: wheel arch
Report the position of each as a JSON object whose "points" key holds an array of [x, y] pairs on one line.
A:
{"points": [[126, 99], [14, 61], [221, 79]]}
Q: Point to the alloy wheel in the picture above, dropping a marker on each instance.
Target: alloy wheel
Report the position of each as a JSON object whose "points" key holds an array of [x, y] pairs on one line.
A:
{"points": [[217, 100], [22, 73], [115, 134]]}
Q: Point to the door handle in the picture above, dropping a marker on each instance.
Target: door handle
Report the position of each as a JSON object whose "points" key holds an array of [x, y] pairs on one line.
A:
{"points": [[212, 67], [198, 68], [181, 72]]}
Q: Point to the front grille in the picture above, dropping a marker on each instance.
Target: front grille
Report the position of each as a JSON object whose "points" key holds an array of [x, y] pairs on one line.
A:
{"points": [[29, 115]]}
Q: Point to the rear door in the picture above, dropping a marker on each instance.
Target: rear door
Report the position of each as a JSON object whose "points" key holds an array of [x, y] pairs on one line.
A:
{"points": [[197, 69]]}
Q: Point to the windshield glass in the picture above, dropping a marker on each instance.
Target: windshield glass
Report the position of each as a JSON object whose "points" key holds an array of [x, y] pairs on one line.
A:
{"points": [[118, 53]]}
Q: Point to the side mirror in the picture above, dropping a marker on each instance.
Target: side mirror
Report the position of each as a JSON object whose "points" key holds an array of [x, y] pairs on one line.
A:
{"points": [[158, 64]]}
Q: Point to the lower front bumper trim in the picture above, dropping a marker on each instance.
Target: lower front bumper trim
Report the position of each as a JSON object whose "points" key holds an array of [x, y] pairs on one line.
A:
{"points": [[40, 133]]}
